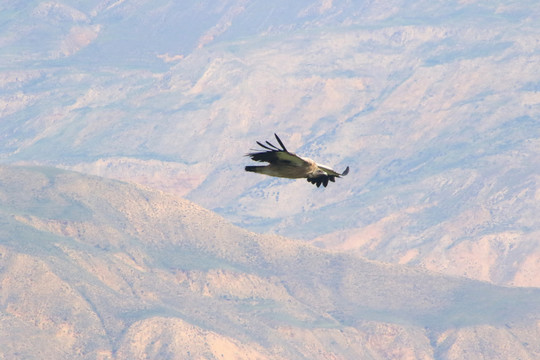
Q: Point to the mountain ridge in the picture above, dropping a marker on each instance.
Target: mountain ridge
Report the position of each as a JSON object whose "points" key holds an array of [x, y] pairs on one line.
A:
{"points": [[434, 112], [101, 263]]}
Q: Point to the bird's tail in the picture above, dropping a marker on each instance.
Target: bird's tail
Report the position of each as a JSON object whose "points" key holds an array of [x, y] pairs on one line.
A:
{"points": [[255, 169]]}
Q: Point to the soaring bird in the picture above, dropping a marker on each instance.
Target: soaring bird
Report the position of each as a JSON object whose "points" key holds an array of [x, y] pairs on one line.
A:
{"points": [[285, 164]]}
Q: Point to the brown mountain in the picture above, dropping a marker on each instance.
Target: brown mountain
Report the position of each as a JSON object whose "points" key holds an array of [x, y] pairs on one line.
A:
{"points": [[99, 269]]}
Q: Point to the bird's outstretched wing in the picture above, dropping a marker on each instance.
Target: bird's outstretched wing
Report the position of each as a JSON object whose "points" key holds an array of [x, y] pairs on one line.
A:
{"points": [[275, 155], [325, 174]]}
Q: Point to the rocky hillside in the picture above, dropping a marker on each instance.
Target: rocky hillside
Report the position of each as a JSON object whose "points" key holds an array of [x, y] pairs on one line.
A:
{"points": [[433, 104], [99, 269]]}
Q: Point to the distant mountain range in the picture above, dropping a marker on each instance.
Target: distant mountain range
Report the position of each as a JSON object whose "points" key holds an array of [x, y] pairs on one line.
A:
{"points": [[433, 104], [429, 248], [96, 268]]}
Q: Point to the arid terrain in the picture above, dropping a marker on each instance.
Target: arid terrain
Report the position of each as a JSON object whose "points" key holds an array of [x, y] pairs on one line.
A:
{"points": [[95, 268], [131, 230]]}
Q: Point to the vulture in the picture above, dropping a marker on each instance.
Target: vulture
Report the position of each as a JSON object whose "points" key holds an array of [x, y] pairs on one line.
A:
{"points": [[285, 164]]}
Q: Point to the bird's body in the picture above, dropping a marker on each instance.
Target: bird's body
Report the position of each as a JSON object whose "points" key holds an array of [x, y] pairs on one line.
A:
{"points": [[282, 163], [286, 169]]}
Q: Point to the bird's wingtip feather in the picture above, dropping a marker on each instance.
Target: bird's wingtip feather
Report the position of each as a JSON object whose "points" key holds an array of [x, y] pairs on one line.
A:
{"points": [[280, 142]]}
